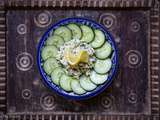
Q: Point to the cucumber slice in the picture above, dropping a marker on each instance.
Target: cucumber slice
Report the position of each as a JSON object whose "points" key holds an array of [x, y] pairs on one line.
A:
{"points": [[49, 65], [103, 66], [99, 39], [104, 51], [76, 87], [64, 32], [98, 78], [76, 31], [86, 83], [88, 34], [48, 52], [55, 40], [65, 82], [56, 74]]}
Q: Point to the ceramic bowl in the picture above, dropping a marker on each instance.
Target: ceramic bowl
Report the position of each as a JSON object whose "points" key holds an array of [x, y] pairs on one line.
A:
{"points": [[47, 80]]}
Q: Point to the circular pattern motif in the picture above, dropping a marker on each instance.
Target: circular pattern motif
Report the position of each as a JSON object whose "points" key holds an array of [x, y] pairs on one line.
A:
{"points": [[47, 102], [26, 94], [22, 29], [108, 20], [135, 26], [43, 19], [24, 61], [106, 102], [134, 58], [132, 98]]}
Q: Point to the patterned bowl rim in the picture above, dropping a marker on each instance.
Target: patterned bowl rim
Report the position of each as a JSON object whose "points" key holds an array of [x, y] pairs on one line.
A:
{"points": [[47, 80]]}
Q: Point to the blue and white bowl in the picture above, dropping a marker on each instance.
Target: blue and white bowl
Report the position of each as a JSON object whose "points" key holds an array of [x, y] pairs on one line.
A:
{"points": [[47, 80]]}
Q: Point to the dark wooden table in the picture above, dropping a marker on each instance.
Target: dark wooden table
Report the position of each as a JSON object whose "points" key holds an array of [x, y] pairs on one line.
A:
{"points": [[134, 93]]}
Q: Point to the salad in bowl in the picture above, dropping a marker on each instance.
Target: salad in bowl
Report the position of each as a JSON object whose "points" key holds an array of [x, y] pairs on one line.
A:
{"points": [[77, 58]]}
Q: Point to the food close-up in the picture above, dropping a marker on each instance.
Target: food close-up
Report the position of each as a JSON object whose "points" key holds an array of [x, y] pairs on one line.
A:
{"points": [[77, 56]]}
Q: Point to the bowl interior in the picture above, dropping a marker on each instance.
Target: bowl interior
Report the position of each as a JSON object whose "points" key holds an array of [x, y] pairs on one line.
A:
{"points": [[47, 80]]}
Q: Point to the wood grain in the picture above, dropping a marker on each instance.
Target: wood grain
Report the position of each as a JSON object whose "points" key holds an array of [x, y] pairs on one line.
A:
{"points": [[134, 93]]}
